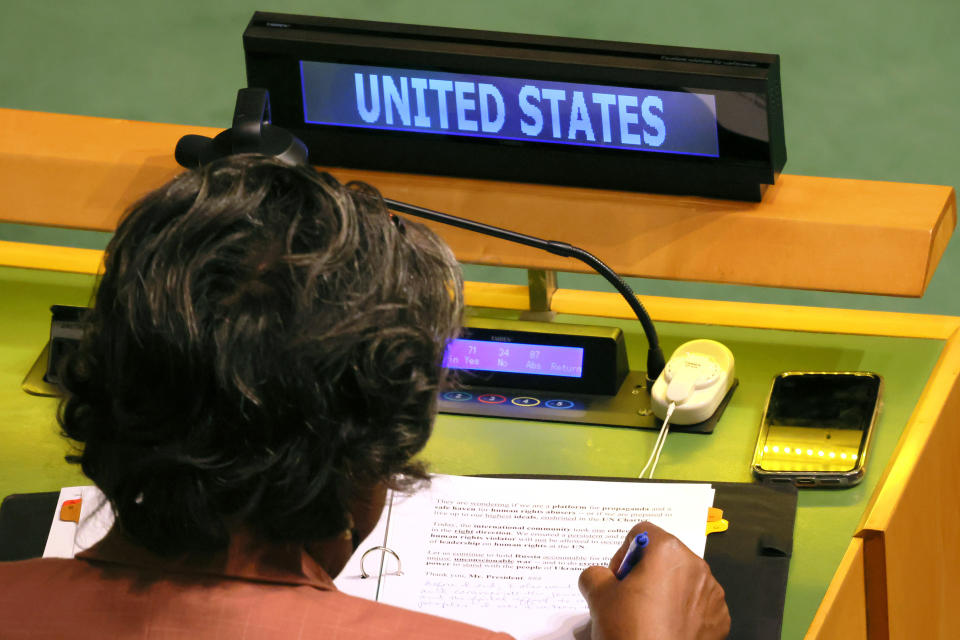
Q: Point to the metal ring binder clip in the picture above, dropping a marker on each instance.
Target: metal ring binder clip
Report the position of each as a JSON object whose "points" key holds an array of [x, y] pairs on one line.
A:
{"points": [[363, 558]]}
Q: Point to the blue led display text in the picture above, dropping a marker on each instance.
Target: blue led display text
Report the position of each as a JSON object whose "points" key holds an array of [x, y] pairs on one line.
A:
{"points": [[509, 108]]}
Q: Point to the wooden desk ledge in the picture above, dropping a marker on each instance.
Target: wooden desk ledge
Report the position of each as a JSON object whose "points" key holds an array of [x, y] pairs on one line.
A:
{"points": [[808, 233]]}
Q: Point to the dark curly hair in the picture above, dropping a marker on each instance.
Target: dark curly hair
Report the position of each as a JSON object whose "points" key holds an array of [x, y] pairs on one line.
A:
{"points": [[264, 342]]}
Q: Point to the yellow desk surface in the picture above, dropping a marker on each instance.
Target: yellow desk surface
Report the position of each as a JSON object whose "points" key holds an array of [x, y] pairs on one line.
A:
{"points": [[889, 542]]}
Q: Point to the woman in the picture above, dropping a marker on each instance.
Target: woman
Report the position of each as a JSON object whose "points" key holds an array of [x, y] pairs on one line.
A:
{"points": [[260, 365]]}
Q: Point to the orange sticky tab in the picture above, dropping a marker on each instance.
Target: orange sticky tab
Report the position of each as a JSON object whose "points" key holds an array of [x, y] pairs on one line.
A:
{"points": [[714, 514], [70, 510]]}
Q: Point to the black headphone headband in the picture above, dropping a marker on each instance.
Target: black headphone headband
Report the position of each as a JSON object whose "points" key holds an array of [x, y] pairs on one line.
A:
{"points": [[251, 133]]}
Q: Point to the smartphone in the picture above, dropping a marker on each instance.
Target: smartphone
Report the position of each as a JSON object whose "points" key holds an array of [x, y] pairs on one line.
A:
{"points": [[816, 427]]}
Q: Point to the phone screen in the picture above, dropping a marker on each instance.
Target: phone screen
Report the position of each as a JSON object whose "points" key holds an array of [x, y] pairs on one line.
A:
{"points": [[818, 422]]}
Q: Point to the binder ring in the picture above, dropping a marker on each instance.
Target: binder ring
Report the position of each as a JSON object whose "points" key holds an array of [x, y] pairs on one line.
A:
{"points": [[363, 558]]}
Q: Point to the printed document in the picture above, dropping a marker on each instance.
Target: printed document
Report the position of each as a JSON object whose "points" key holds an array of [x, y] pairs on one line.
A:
{"points": [[506, 554]]}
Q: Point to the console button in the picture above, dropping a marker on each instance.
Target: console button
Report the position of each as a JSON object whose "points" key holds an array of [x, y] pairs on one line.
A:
{"points": [[492, 398], [558, 404], [457, 396], [525, 401]]}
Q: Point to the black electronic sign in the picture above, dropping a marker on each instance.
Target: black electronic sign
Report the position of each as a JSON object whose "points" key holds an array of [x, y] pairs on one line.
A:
{"points": [[522, 108]]}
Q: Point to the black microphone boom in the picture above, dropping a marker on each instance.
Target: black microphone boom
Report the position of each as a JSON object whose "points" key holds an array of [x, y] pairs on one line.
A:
{"points": [[655, 359]]}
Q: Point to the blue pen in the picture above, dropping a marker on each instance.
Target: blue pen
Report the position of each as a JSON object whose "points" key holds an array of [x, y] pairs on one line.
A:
{"points": [[634, 553]]}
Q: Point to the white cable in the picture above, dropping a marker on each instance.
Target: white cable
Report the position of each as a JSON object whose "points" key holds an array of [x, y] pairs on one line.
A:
{"points": [[661, 440], [660, 448], [658, 445]]}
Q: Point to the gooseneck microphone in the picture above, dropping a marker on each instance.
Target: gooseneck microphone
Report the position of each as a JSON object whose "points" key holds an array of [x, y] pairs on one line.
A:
{"points": [[253, 133], [655, 359]]}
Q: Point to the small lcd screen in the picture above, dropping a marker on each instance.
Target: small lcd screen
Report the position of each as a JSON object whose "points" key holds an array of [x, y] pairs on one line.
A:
{"points": [[479, 106], [818, 422], [514, 357]]}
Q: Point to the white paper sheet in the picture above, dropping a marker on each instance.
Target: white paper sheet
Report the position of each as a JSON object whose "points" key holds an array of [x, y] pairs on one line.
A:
{"points": [[506, 554], [66, 539], [61, 535]]}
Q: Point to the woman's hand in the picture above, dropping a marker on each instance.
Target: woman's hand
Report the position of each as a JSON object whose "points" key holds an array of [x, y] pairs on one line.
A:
{"points": [[669, 595]]}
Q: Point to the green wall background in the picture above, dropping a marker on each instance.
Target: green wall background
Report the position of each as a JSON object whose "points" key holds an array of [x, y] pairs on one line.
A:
{"points": [[871, 89]]}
